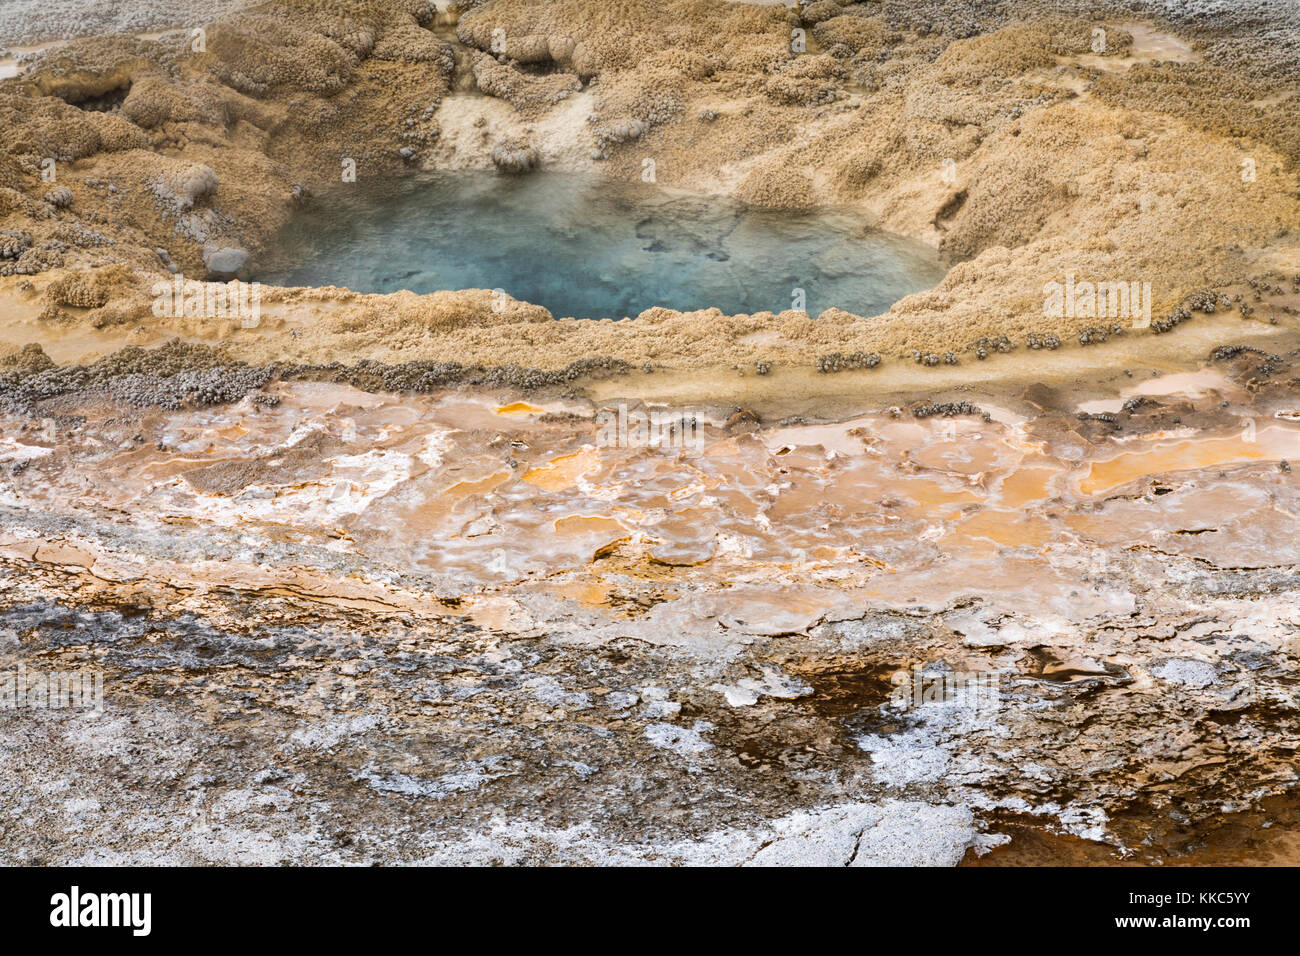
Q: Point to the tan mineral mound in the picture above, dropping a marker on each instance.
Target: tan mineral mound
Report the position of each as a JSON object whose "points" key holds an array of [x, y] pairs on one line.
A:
{"points": [[1021, 147]]}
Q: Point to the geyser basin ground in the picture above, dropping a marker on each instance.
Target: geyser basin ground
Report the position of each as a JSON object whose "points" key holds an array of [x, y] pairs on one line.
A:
{"points": [[355, 605], [589, 248], [457, 627]]}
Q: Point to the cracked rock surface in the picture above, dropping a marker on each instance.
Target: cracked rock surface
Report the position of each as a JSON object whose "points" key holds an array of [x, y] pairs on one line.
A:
{"points": [[456, 626]]}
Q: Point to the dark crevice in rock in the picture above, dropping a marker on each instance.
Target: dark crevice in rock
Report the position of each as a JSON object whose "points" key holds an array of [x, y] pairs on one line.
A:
{"points": [[98, 101]]}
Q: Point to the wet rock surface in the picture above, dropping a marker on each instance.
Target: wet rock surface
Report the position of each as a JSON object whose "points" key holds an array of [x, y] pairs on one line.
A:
{"points": [[352, 626]]}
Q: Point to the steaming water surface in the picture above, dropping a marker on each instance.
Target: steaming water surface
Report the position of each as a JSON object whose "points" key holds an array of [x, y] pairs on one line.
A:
{"points": [[588, 248]]}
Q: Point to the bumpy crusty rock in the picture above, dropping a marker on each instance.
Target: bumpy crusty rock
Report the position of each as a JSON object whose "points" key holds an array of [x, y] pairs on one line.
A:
{"points": [[838, 361], [179, 185], [463, 309], [522, 91], [36, 260], [409, 43], [820, 10], [515, 45], [258, 54], [777, 186], [861, 36], [80, 290], [13, 243], [60, 197], [1025, 146], [11, 200], [155, 100], [170, 377], [807, 81], [46, 127], [607, 136], [514, 156], [591, 39]]}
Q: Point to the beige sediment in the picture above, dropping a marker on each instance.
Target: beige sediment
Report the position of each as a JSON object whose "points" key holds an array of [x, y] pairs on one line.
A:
{"points": [[1065, 161]]}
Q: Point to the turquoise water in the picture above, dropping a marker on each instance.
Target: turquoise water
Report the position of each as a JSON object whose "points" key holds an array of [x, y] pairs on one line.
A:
{"points": [[588, 248]]}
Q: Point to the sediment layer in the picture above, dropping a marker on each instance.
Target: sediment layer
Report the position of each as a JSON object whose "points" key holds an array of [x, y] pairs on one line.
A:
{"points": [[1000, 137], [457, 629]]}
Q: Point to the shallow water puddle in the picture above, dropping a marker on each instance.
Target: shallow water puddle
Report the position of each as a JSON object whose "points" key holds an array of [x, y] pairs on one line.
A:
{"points": [[483, 492], [1191, 385], [519, 408], [1268, 444], [587, 248], [564, 471]]}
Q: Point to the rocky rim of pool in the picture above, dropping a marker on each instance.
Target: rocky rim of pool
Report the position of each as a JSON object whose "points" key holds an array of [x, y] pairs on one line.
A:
{"points": [[1020, 152]]}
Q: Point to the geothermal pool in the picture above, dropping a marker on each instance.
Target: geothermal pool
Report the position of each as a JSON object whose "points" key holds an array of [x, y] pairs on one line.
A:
{"points": [[588, 248]]}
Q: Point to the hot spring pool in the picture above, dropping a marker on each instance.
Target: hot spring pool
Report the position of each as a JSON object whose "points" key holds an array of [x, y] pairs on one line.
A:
{"points": [[588, 248]]}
